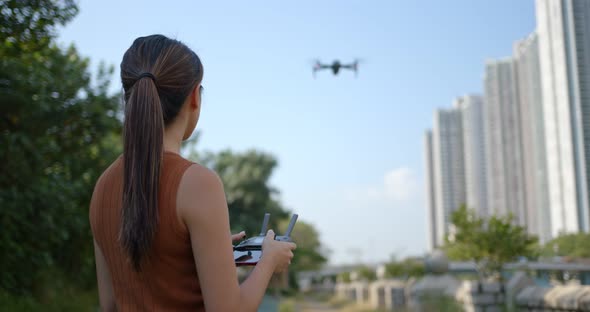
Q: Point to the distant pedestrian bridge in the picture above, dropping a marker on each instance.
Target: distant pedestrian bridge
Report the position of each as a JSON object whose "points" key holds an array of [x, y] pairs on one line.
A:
{"points": [[544, 273]]}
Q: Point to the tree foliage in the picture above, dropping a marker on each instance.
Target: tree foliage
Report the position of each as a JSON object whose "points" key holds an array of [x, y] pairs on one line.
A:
{"points": [[344, 277], [309, 254], [58, 132], [366, 273], [575, 245], [248, 192], [405, 269], [490, 242], [249, 196], [27, 26]]}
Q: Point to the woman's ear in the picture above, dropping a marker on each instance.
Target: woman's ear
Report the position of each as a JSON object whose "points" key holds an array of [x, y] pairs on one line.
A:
{"points": [[196, 98]]}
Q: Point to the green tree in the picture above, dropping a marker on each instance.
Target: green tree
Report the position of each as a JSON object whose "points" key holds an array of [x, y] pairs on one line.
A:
{"points": [[574, 245], [344, 277], [58, 132], [405, 269], [310, 254], [28, 26], [490, 242], [249, 194], [366, 273]]}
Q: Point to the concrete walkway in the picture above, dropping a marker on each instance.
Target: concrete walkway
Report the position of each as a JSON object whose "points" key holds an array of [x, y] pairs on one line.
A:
{"points": [[269, 304], [314, 305], [308, 304]]}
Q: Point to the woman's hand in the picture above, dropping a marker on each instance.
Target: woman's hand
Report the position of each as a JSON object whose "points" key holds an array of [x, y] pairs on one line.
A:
{"points": [[237, 237], [279, 253]]}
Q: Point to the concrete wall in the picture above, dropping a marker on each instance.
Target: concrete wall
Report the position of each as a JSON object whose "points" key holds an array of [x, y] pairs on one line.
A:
{"points": [[519, 293]]}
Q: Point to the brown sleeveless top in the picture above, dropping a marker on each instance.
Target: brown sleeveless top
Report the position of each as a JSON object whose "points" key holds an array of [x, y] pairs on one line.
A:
{"points": [[168, 280]]}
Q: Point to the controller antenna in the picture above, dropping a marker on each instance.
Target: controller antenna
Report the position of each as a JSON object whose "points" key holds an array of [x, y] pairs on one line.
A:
{"points": [[291, 225], [264, 224]]}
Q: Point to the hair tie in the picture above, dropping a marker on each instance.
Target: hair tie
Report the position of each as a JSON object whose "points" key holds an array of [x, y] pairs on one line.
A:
{"points": [[147, 74]]}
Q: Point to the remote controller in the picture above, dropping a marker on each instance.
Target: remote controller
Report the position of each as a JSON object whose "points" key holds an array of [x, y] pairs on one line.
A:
{"points": [[249, 251]]}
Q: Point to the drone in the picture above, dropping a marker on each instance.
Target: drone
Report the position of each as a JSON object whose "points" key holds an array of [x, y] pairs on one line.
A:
{"points": [[336, 66]]}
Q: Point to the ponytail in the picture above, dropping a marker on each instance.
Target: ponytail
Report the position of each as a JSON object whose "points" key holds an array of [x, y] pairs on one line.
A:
{"points": [[158, 74], [143, 135]]}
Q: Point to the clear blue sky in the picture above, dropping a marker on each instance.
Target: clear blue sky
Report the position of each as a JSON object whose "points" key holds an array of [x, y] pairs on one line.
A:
{"points": [[350, 150]]}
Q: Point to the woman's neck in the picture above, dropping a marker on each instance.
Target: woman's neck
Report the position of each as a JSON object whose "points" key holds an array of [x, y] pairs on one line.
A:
{"points": [[173, 138]]}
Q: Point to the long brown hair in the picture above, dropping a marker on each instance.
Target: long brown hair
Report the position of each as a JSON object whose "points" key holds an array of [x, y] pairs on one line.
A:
{"points": [[158, 74]]}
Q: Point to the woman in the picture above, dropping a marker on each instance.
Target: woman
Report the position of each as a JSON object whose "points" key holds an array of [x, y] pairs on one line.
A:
{"points": [[160, 222]]}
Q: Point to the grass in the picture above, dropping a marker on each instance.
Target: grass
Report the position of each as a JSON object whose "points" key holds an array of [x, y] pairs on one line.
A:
{"points": [[66, 301], [53, 291], [339, 302], [287, 305]]}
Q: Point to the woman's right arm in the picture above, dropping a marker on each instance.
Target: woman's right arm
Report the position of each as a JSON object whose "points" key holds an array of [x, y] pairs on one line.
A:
{"points": [[202, 206]]}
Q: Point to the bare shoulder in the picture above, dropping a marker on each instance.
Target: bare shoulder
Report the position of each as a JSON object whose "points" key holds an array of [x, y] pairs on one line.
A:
{"points": [[199, 178], [200, 192]]}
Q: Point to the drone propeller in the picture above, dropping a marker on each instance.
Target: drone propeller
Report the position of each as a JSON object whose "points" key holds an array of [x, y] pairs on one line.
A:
{"points": [[315, 66], [314, 62], [355, 65]]}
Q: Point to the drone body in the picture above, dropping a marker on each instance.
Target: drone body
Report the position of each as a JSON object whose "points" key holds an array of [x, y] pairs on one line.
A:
{"points": [[335, 67]]}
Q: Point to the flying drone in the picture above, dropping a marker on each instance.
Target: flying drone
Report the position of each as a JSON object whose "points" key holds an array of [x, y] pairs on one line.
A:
{"points": [[335, 67]]}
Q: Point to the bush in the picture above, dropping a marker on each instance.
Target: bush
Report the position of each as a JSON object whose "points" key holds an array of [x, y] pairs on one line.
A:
{"points": [[287, 305], [58, 132]]}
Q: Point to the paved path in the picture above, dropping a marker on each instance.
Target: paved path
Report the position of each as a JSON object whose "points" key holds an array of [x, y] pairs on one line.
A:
{"points": [[269, 304], [310, 305]]}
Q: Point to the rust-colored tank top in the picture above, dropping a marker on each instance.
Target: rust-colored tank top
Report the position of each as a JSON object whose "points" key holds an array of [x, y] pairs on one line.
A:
{"points": [[168, 280]]}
